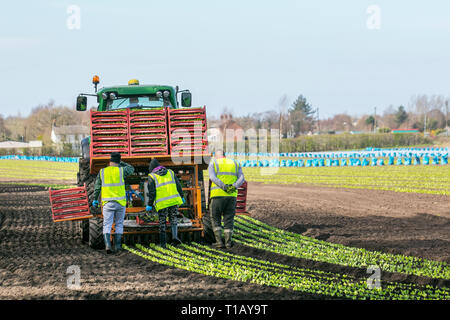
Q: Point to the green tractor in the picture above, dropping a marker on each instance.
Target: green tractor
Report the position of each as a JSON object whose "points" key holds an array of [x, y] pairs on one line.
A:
{"points": [[143, 122]]}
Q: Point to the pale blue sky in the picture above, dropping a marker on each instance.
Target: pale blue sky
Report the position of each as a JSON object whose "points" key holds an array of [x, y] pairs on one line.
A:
{"points": [[241, 54]]}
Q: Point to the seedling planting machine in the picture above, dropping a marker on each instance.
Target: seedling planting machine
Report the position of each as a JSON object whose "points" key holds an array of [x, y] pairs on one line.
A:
{"points": [[141, 122]]}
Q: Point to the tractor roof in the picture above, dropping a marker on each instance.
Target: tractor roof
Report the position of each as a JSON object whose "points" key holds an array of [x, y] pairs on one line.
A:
{"points": [[137, 89], [145, 89]]}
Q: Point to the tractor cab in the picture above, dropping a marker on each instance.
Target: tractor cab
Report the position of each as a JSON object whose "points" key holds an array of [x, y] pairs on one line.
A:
{"points": [[136, 96]]}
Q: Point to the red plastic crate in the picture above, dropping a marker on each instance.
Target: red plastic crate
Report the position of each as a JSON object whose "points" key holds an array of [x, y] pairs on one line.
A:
{"points": [[191, 134], [148, 126], [69, 204], [116, 113], [184, 142], [107, 138], [149, 151], [156, 136], [191, 128], [241, 201], [187, 147], [243, 188], [149, 113]]}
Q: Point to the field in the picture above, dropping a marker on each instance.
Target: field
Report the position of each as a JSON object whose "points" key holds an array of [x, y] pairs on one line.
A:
{"points": [[416, 179], [313, 233], [44, 173]]}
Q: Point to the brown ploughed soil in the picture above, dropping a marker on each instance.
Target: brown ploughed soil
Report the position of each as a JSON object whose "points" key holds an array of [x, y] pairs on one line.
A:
{"points": [[35, 252]]}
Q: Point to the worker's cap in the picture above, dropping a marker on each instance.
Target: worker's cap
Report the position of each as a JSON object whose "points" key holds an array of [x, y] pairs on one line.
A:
{"points": [[115, 157]]}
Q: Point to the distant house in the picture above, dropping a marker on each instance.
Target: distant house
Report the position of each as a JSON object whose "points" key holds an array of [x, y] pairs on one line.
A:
{"points": [[226, 123], [69, 134]]}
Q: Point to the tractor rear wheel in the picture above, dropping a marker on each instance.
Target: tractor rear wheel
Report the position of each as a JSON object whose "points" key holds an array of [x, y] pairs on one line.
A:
{"points": [[208, 233], [85, 177], [201, 183], [96, 233], [84, 227]]}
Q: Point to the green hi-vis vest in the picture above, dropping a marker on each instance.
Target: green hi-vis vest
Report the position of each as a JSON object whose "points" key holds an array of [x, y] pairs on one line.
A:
{"points": [[226, 171], [113, 185], [166, 190]]}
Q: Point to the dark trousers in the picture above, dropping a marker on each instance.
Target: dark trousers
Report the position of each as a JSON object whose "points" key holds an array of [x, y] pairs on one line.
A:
{"points": [[226, 207], [162, 215]]}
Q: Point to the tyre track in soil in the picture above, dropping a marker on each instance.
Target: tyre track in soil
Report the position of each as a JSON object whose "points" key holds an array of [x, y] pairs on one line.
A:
{"points": [[35, 254]]}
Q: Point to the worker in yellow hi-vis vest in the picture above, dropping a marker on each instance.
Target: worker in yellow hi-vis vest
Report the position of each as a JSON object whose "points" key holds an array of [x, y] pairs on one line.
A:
{"points": [[226, 177], [165, 193], [111, 184]]}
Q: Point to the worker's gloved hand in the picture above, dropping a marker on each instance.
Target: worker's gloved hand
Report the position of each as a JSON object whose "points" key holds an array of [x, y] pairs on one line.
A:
{"points": [[225, 187], [148, 208], [231, 189], [95, 204], [184, 200]]}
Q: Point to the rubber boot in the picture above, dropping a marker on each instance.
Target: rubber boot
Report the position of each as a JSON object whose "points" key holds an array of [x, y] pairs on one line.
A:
{"points": [[162, 239], [117, 240], [219, 241], [175, 240], [228, 243], [107, 238]]}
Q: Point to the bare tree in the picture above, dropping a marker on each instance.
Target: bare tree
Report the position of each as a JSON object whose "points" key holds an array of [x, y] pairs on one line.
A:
{"points": [[388, 119], [429, 111], [283, 117]]}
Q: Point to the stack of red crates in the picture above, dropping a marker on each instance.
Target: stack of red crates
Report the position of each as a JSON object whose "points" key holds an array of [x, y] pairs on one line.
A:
{"points": [[187, 131], [241, 200], [109, 133], [69, 204], [148, 132]]}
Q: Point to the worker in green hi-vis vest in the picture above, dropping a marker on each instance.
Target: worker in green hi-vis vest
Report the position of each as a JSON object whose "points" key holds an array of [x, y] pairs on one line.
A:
{"points": [[226, 177], [111, 184]]}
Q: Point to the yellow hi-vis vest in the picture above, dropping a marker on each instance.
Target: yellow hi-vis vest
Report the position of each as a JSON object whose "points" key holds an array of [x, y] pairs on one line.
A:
{"points": [[113, 185], [166, 190], [226, 171]]}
